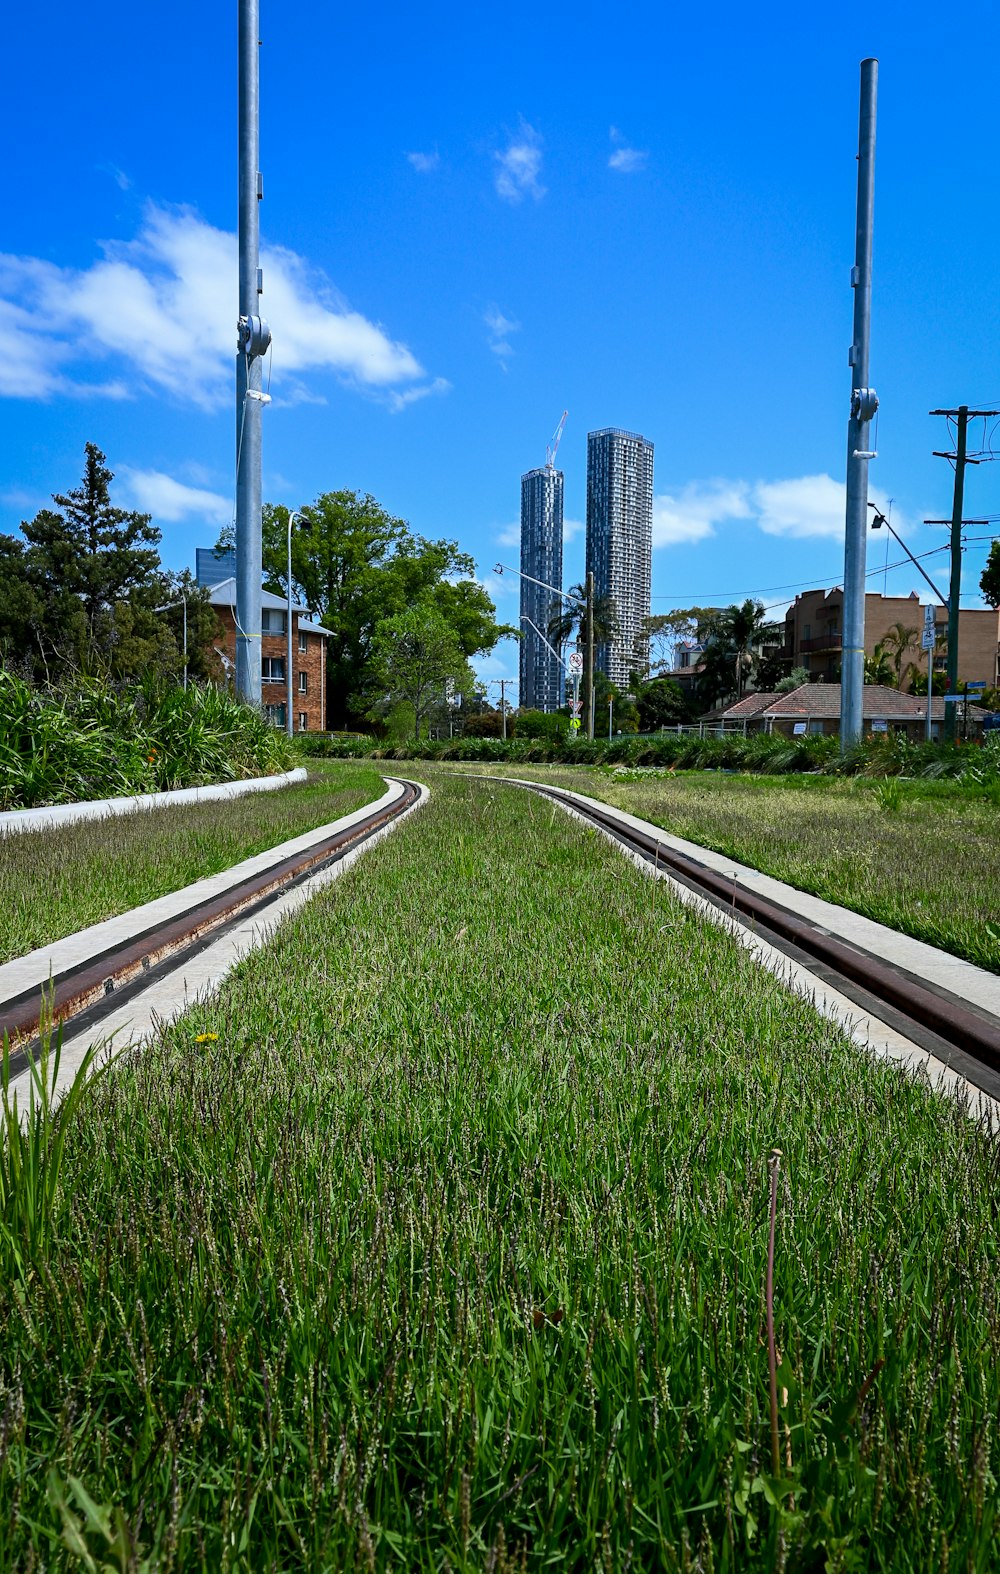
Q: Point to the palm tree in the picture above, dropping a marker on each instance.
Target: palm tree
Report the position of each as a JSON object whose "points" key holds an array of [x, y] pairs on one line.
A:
{"points": [[572, 616], [896, 643], [878, 669], [736, 634]]}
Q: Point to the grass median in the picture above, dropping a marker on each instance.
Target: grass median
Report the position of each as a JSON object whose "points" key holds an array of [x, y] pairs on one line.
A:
{"points": [[438, 1240], [921, 857], [56, 881]]}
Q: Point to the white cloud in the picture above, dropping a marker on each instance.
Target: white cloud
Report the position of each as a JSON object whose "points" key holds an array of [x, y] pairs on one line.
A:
{"points": [[425, 163], [163, 306], [153, 492], [807, 506], [398, 400], [510, 536], [519, 166], [573, 528], [695, 511], [624, 158], [499, 329]]}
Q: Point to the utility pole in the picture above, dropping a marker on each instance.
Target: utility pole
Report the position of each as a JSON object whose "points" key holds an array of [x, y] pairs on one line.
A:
{"points": [[253, 338], [960, 458], [864, 403], [503, 708], [588, 656]]}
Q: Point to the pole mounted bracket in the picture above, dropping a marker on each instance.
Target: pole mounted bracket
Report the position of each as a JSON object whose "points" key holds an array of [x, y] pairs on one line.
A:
{"points": [[252, 336], [864, 403]]}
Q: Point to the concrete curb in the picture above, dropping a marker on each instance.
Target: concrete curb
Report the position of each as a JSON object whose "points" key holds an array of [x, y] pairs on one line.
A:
{"points": [[55, 814], [198, 978], [34, 970]]}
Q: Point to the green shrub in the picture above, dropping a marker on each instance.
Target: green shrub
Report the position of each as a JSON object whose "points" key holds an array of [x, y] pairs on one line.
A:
{"points": [[96, 741]]}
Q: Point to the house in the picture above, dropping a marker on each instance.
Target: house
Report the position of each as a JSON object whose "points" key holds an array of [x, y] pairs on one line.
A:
{"points": [[308, 656], [814, 632], [815, 709]]}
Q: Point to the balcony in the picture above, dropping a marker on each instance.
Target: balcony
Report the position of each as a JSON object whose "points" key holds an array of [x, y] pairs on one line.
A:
{"points": [[820, 642]]}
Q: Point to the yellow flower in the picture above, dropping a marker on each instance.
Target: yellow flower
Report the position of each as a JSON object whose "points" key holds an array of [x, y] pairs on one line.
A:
{"points": [[205, 1038]]}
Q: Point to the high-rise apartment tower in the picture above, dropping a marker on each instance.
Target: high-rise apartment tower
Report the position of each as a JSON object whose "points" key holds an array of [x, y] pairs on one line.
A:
{"points": [[541, 556], [620, 542]]}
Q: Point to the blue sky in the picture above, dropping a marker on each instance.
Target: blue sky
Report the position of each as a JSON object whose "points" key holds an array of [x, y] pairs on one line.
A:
{"points": [[476, 218]]}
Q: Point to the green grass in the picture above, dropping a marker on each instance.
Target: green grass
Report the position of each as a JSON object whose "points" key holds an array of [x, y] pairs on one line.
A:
{"points": [[448, 1252], [921, 857], [54, 882]]}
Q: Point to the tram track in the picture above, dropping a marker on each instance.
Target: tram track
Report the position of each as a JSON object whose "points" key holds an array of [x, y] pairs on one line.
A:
{"points": [[79, 997], [956, 1031]]}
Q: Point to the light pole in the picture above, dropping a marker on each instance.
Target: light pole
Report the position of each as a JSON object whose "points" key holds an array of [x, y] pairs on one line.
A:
{"points": [[293, 514], [611, 712], [587, 603], [168, 607]]}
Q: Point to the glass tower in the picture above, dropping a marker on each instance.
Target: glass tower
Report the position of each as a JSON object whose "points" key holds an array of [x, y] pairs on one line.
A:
{"points": [[620, 543], [541, 557]]}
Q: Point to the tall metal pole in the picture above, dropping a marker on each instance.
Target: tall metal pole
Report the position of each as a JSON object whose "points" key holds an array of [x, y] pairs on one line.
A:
{"points": [[588, 657], [253, 339], [955, 591], [864, 403], [184, 603], [288, 618]]}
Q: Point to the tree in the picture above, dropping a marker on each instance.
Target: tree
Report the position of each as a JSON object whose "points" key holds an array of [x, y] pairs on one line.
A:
{"points": [[356, 565], [733, 638], [413, 656], [896, 643], [660, 703], [795, 679], [666, 630], [573, 616], [989, 581], [78, 590], [878, 668]]}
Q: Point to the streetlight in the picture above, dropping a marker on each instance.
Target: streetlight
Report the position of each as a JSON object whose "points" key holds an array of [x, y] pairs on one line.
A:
{"points": [[587, 604], [169, 607], [293, 514]]}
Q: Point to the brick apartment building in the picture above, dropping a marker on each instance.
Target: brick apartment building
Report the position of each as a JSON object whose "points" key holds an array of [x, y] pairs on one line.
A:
{"points": [[308, 657], [814, 630]]}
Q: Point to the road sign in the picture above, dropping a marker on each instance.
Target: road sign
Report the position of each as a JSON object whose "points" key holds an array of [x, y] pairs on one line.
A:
{"points": [[928, 638], [575, 663], [574, 725], [930, 615], [954, 699], [878, 725], [575, 706], [977, 687]]}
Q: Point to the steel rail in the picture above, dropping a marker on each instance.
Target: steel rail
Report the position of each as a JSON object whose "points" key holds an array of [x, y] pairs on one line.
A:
{"points": [[100, 980], [958, 1025]]}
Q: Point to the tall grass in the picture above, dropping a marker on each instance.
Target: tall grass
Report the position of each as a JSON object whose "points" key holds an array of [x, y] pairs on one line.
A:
{"points": [[95, 741], [57, 880], [439, 1240]]}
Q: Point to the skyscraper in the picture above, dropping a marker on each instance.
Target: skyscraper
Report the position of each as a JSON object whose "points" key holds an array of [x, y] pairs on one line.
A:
{"points": [[620, 542], [541, 557]]}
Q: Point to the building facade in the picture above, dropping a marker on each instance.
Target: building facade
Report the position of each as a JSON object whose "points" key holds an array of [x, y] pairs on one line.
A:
{"points": [[814, 629], [308, 657], [620, 543], [541, 686]]}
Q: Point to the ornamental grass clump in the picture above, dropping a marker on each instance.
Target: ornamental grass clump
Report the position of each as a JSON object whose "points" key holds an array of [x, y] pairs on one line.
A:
{"points": [[93, 740]]}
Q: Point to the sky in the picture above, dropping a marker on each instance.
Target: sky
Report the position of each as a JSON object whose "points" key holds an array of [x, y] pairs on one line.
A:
{"points": [[475, 218]]}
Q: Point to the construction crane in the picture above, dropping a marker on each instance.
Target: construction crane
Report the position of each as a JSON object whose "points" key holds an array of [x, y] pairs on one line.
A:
{"points": [[552, 448]]}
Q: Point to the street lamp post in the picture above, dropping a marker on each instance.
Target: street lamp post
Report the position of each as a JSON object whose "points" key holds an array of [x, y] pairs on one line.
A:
{"points": [[168, 607], [587, 603]]}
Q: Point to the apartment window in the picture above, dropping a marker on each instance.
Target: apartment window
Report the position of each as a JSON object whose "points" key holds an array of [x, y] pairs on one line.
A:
{"points": [[272, 669], [273, 622], [303, 641], [275, 715], [303, 683], [807, 631], [302, 721]]}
